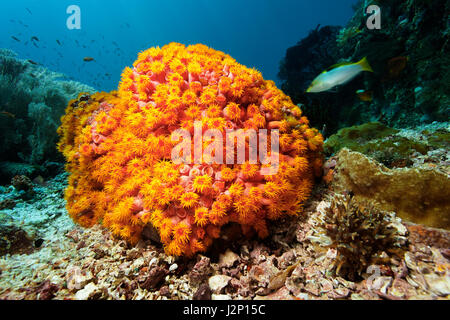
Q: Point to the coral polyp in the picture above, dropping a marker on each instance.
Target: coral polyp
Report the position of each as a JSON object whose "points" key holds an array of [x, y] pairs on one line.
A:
{"points": [[119, 147]]}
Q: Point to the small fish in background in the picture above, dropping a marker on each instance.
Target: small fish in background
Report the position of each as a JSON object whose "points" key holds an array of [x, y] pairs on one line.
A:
{"points": [[18, 21], [32, 62], [15, 39], [29, 11], [365, 95], [338, 74], [88, 59], [58, 42], [324, 129], [8, 114], [396, 65], [34, 38], [40, 181], [23, 24]]}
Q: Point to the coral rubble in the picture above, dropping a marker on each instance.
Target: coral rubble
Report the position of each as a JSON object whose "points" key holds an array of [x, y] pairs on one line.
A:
{"points": [[77, 263], [119, 150]]}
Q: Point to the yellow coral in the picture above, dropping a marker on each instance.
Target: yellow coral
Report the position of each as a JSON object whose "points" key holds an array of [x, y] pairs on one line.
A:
{"points": [[189, 199], [118, 149], [202, 183]]}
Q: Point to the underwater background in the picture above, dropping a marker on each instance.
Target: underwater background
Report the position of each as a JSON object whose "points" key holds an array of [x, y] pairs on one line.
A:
{"points": [[360, 209], [256, 33]]}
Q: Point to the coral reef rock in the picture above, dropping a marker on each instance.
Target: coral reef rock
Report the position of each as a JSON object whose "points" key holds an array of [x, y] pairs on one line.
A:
{"points": [[409, 55], [32, 100], [395, 147], [419, 195], [14, 240]]}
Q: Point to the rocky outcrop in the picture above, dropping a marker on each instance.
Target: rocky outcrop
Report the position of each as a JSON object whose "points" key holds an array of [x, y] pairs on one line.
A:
{"points": [[410, 84], [419, 195]]}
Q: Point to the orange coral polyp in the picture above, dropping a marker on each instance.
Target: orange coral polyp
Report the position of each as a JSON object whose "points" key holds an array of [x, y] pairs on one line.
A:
{"points": [[175, 79], [86, 149], [194, 68], [201, 216], [227, 174], [156, 67], [232, 111], [181, 233], [202, 183], [118, 145], [249, 170], [177, 66], [189, 199], [189, 97], [208, 97]]}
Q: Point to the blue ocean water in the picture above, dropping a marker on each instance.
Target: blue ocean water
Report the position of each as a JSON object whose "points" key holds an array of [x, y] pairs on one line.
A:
{"points": [[256, 33]]}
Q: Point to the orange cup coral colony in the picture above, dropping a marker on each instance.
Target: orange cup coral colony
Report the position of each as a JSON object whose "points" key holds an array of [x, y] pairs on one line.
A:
{"points": [[119, 147]]}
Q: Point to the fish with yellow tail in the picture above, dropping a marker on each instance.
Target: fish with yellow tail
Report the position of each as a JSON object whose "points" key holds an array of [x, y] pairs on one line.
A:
{"points": [[338, 75]]}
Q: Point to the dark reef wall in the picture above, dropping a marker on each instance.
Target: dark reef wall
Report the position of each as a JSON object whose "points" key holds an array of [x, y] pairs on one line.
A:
{"points": [[306, 59], [409, 54]]}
